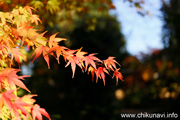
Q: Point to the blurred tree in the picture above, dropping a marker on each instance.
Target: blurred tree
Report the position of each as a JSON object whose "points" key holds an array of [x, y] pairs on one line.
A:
{"points": [[171, 28], [171, 37], [152, 83]]}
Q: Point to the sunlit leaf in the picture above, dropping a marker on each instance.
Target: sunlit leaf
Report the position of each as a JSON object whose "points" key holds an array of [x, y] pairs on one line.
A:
{"points": [[15, 53], [45, 51], [9, 75], [37, 112], [90, 59], [54, 41], [110, 63]]}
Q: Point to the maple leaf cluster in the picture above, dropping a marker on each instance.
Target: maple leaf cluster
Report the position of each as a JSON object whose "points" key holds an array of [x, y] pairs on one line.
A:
{"points": [[19, 36], [19, 108]]}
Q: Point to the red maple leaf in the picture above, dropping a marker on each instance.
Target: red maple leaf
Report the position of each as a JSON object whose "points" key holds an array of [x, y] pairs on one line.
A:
{"points": [[18, 104], [110, 63], [15, 53], [9, 76], [44, 50], [59, 51], [68, 54], [118, 75], [100, 73], [14, 103], [6, 98], [73, 60], [37, 112], [90, 60]]}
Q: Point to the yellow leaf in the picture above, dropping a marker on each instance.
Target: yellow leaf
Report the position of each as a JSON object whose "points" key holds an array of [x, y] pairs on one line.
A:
{"points": [[37, 4], [41, 41], [54, 41]]}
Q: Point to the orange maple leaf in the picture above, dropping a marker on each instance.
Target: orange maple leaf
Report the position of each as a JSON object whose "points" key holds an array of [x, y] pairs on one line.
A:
{"points": [[59, 51], [37, 112], [54, 41], [73, 60], [8, 76], [35, 19]]}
